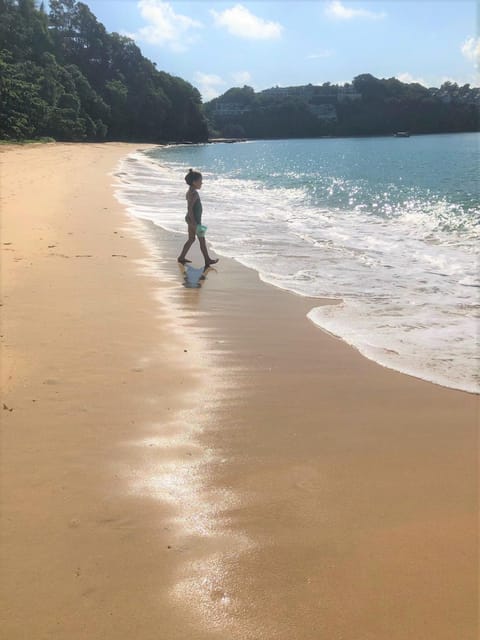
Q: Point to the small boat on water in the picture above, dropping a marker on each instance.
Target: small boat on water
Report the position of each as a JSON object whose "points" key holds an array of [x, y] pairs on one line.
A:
{"points": [[402, 134]]}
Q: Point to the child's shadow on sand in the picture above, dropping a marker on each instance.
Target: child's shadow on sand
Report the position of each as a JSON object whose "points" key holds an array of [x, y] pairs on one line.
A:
{"points": [[194, 277]]}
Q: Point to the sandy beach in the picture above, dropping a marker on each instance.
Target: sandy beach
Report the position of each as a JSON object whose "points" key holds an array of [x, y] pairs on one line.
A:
{"points": [[183, 462]]}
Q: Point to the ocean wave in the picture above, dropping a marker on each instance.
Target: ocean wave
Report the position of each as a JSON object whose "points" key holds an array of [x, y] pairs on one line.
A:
{"points": [[406, 271]]}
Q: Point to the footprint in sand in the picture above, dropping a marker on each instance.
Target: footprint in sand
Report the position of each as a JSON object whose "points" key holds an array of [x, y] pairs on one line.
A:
{"points": [[219, 595]]}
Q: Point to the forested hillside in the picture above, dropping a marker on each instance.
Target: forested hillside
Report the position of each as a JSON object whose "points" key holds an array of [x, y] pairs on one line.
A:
{"points": [[367, 106], [62, 75]]}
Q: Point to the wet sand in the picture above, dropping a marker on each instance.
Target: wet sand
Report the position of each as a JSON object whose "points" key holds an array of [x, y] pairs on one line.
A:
{"points": [[183, 462]]}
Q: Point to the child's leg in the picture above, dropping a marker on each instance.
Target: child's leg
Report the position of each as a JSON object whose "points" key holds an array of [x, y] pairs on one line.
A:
{"points": [[203, 247], [187, 245]]}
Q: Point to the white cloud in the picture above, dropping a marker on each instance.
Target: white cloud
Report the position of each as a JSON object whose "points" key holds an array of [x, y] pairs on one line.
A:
{"points": [[239, 21], [209, 85], [165, 27], [321, 54], [409, 79], [471, 50], [339, 11], [241, 77]]}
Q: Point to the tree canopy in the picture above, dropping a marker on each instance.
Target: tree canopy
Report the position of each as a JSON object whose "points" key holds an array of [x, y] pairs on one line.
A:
{"points": [[367, 106], [63, 75]]}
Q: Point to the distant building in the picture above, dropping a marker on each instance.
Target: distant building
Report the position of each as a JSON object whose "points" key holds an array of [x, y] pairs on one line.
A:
{"points": [[317, 94], [458, 95], [348, 94], [230, 109], [304, 92], [473, 97], [326, 112]]}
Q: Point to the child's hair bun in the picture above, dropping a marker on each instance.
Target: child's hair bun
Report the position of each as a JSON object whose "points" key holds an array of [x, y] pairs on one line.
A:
{"points": [[192, 176]]}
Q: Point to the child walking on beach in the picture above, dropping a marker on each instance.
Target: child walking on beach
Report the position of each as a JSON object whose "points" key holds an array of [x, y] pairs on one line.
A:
{"points": [[194, 219]]}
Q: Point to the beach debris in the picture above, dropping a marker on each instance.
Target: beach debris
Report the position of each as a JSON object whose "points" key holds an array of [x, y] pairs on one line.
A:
{"points": [[118, 255], [7, 243], [86, 255], [5, 408], [51, 246]]}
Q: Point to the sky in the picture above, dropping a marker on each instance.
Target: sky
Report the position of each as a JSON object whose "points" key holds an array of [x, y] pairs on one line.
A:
{"points": [[216, 45]]}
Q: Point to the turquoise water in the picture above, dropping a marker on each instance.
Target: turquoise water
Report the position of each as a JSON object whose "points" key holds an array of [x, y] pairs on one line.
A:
{"points": [[358, 171], [387, 225]]}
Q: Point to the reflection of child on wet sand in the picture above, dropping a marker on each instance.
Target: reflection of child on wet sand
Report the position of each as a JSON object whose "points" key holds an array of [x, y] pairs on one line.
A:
{"points": [[194, 219]]}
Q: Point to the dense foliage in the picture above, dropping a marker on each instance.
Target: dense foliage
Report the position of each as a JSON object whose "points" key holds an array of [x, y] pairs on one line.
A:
{"points": [[62, 75], [367, 106]]}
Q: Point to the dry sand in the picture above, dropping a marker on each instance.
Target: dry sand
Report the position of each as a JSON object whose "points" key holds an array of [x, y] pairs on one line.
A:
{"points": [[199, 463]]}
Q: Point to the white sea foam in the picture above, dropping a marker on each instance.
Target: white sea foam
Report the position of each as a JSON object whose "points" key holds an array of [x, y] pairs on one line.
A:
{"points": [[408, 278]]}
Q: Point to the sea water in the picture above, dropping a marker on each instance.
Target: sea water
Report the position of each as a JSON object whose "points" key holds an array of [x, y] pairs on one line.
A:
{"points": [[386, 225]]}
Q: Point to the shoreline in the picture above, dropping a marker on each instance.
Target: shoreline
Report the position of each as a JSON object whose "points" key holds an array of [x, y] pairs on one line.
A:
{"points": [[313, 302], [4, 144], [404, 355], [249, 473]]}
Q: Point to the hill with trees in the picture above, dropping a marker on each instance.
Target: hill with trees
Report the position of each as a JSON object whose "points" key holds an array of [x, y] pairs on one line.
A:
{"points": [[367, 106], [62, 75]]}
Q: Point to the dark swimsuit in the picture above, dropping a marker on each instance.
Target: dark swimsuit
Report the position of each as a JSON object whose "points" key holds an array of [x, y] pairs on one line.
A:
{"points": [[197, 211]]}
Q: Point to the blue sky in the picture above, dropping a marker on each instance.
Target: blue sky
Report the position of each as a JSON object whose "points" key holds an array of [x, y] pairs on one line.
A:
{"points": [[217, 45]]}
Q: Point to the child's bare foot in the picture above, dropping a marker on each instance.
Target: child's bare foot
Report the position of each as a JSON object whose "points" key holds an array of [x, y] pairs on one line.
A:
{"points": [[210, 262]]}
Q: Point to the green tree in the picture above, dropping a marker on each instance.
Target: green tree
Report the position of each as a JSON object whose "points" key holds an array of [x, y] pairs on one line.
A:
{"points": [[22, 109], [85, 83]]}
